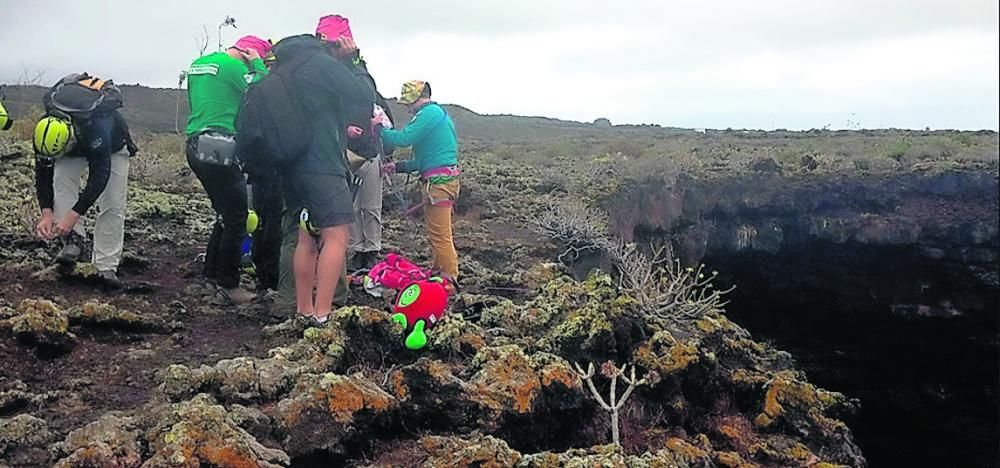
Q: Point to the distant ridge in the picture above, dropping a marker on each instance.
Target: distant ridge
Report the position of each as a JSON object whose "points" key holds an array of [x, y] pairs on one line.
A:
{"points": [[153, 110]]}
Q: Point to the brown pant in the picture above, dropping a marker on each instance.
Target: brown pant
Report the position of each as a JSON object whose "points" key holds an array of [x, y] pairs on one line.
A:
{"points": [[438, 201]]}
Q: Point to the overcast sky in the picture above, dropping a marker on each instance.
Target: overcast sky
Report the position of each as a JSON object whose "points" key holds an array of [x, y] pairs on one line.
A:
{"points": [[794, 64]]}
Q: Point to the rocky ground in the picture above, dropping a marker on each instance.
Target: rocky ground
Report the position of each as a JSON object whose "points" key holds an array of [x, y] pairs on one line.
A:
{"points": [[161, 375]]}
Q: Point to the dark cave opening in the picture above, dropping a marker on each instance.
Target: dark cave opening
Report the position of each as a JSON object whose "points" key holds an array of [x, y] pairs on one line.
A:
{"points": [[913, 335]]}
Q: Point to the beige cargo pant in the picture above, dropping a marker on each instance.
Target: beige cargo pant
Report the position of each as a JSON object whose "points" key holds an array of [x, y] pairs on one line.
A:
{"points": [[366, 230], [109, 226]]}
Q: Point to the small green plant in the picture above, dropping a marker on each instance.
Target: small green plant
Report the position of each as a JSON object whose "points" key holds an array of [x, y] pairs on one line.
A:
{"points": [[897, 149]]}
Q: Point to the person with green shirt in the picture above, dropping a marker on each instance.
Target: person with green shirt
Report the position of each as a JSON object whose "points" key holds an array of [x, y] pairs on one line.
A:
{"points": [[432, 135], [216, 83]]}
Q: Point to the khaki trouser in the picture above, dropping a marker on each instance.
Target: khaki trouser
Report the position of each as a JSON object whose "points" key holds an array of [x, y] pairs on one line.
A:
{"points": [[109, 227], [438, 201], [366, 230]]}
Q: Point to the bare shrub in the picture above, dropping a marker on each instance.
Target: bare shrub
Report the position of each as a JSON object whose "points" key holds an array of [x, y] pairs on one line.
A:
{"points": [[574, 225], [663, 288], [614, 403]]}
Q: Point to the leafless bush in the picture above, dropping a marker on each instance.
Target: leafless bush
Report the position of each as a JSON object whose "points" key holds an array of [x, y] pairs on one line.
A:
{"points": [[614, 402], [30, 76], [664, 288], [574, 225]]}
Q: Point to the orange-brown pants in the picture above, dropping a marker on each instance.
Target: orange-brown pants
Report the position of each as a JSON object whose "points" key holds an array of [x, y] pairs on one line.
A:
{"points": [[438, 206]]}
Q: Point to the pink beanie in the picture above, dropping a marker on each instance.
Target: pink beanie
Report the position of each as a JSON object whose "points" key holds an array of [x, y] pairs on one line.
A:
{"points": [[253, 42], [332, 27]]}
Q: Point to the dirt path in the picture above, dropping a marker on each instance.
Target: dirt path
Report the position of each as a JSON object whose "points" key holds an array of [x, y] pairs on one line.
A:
{"points": [[116, 370]]}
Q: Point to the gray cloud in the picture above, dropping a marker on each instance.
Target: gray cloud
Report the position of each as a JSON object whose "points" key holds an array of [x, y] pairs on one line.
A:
{"points": [[796, 64]]}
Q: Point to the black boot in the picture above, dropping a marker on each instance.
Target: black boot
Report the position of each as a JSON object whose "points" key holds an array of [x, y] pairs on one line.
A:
{"points": [[371, 258], [71, 250]]}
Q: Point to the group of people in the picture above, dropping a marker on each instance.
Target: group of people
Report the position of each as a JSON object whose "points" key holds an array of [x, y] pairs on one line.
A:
{"points": [[311, 210]]}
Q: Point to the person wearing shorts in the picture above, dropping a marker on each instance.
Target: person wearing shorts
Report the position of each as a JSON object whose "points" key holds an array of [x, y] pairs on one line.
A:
{"points": [[317, 185]]}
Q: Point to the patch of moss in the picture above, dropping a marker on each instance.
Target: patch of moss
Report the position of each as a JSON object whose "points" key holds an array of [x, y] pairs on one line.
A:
{"points": [[666, 355]]}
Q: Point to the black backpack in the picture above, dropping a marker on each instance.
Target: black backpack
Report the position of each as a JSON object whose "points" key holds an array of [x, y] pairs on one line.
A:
{"points": [[272, 130], [79, 95]]}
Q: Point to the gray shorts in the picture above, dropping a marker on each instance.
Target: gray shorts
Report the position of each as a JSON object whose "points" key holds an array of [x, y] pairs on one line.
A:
{"points": [[327, 197]]}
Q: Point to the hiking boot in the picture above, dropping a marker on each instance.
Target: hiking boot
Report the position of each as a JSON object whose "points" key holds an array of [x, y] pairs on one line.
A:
{"points": [[238, 295], [371, 259], [355, 262], [69, 253], [110, 279]]}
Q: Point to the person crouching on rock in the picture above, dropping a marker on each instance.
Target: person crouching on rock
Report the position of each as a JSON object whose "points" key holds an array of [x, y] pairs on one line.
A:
{"points": [[83, 130], [216, 83], [432, 135]]}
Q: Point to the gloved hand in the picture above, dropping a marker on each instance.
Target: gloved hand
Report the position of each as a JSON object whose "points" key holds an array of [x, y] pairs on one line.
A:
{"points": [[389, 168]]}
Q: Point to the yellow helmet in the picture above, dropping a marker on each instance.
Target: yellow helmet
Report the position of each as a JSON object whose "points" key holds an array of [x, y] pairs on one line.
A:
{"points": [[252, 221], [53, 136], [5, 120]]}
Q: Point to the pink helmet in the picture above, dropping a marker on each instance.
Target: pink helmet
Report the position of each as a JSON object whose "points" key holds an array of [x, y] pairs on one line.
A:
{"points": [[253, 42], [331, 27]]}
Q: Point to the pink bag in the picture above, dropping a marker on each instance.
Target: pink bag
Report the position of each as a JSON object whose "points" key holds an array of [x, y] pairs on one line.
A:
{"points": [[395, 272]]}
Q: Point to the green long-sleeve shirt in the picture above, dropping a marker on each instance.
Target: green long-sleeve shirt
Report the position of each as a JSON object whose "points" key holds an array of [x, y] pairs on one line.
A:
{"points": [[431, 133], [216, 83]]}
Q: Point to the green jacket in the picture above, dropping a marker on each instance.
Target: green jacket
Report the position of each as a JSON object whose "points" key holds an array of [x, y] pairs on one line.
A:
{"points": [[431, 133], [216, 83]]}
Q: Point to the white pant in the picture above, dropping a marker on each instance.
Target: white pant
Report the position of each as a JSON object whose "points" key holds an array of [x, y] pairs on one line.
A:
{"points": [[366, 230], [109, 227]]}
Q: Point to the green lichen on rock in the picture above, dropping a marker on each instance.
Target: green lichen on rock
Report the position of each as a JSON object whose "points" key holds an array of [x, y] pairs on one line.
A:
{"points": [[454, 335], [800, 404], [106, 315], [23, 439], [324, 409], [41, 323], [199, 432], [475, 450], [666, 355], [111, 441], [507, 381], [572, 319], [242, 379], [678, 454]]}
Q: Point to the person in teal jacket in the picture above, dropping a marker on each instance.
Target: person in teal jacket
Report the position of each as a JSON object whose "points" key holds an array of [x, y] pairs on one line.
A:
{"points": [[432, 135]]}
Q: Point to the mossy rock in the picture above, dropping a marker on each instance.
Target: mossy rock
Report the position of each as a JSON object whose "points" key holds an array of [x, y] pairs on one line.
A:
{"points": [[40, 323], [200, 432], [324, 410]]}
